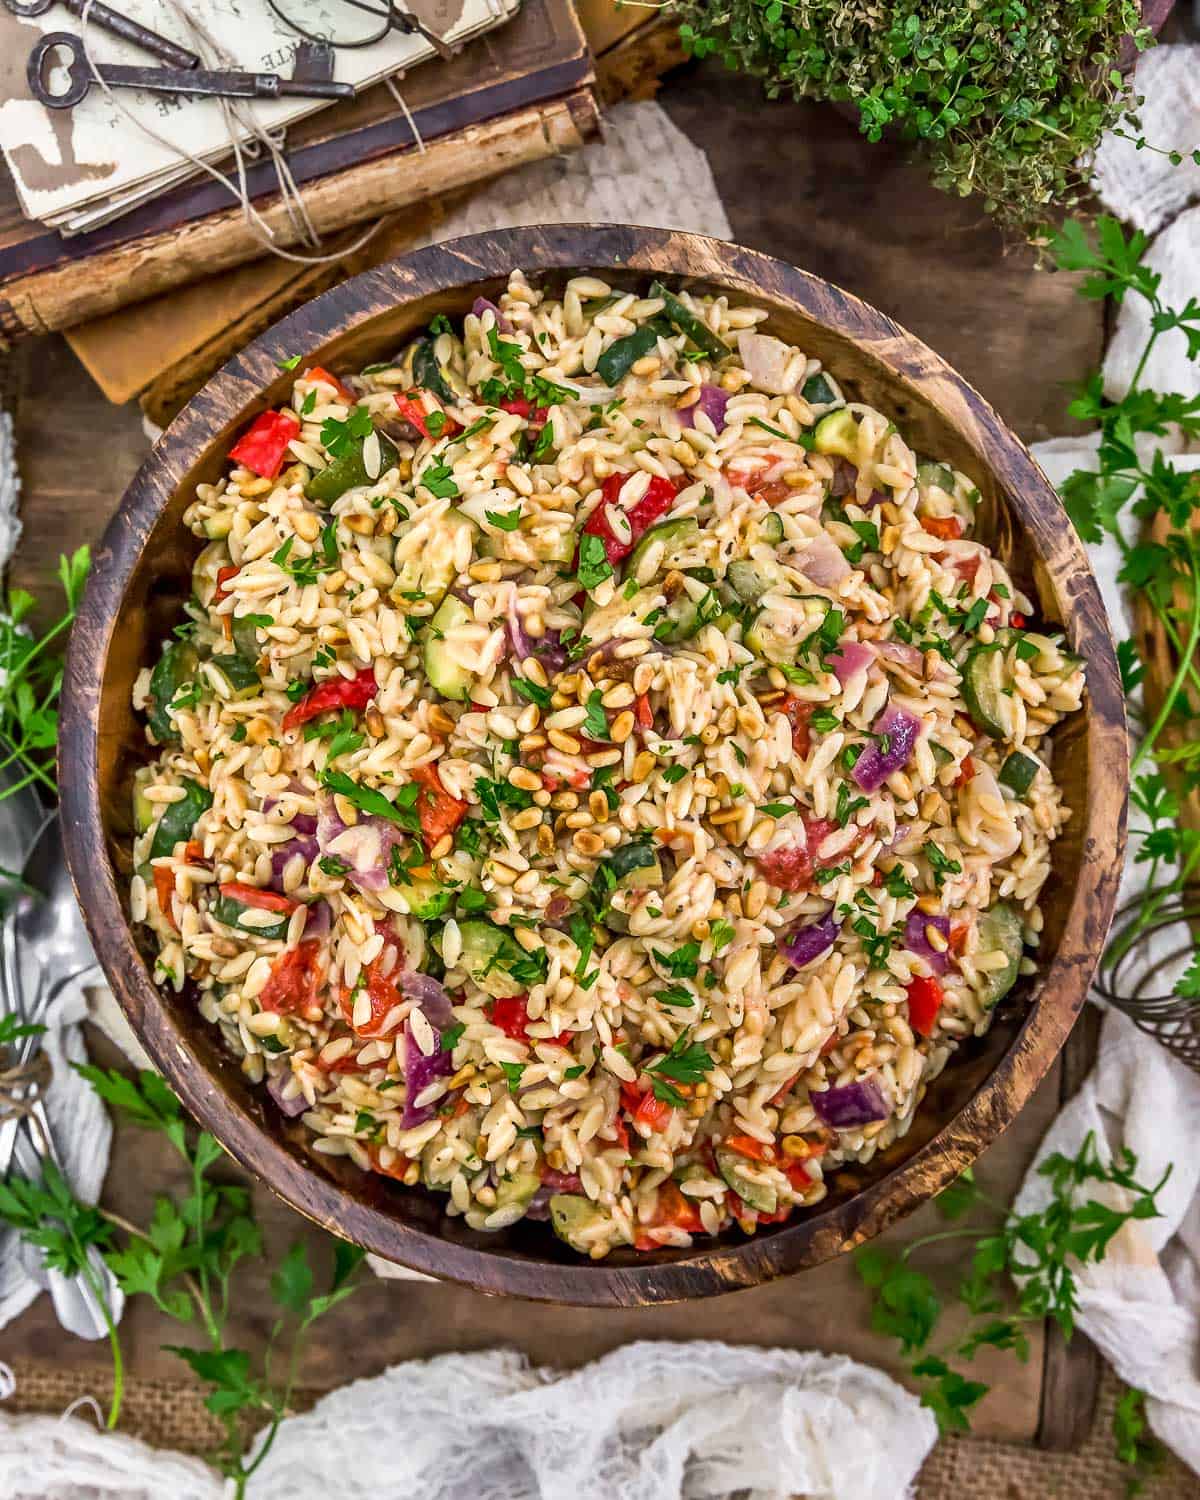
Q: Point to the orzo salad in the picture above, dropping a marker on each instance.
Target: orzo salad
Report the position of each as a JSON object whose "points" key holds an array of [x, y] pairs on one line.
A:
{"points": [[602, 775]]}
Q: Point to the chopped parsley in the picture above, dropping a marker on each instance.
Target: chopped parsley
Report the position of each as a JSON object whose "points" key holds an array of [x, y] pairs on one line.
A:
{"points": [[506, 520], [941, 864], [720, 935], [672, 774], [375, 804], [847, 806], [594, 566], [533, 691], [682, 963], [684, 1063], [595, 723], [339, 437]]}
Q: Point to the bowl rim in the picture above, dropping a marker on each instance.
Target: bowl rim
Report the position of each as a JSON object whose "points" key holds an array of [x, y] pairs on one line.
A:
{"points": [[708, 1268]]}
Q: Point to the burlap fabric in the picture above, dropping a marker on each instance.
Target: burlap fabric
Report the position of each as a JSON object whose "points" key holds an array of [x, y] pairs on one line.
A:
{"points": [[173, 1416]]}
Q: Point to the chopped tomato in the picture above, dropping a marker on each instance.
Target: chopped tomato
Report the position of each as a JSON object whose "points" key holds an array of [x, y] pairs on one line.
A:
{"points": [[966, 771], [643, 712], [164, 889], [924, 1002], [440, 813], [622, 1133], [780, 1216], [949, 528], [414, 410], [319, 372], [798, 713], [194, 852], [399, 1166], [334, 693], [511, 1015], [773, 492], [264, 445], [791, 866], [659, 496], [746, 1145], [383, 995], [254, 895], [652, 1113], [958, 937], [1018, 619], [673, 1211], [294, 981]]}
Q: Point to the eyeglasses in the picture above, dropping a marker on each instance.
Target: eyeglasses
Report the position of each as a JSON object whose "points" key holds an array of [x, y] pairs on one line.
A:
{"points": [[356, 23]]}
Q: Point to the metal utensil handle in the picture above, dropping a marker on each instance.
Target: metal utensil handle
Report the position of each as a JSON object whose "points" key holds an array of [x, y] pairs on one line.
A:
{"points": [[141, 36]]}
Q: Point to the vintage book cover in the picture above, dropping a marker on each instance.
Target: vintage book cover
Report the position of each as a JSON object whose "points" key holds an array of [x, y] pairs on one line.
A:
{"points": [[355, 162]]}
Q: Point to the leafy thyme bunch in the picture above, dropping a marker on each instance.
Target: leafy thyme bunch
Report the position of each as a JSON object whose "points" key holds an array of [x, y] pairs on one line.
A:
{"points": [[1006, 97], [185, 1261]]}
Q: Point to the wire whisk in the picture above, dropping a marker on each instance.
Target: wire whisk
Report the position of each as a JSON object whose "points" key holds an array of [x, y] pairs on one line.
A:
{"points": [[1136, 963]]}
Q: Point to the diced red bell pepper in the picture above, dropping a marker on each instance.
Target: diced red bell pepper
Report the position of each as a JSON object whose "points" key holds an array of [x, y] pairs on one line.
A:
{"points": [[414, 410], [949, 528], [510, 1014], [1018, 620], [383, 995], [194, 852], [643, 711], [925, 998], [772, 492], [254, 895], [958, 937], [672, 1210], [791, 866], [966, 771], [319, 372], [164, 889], [400, 1163], [221, 593], [294, 981], [651, 1113], [746, 1145], [439, 812], [798, 712], [658, 499], [334, 693], [521, 406], [264, 444]]}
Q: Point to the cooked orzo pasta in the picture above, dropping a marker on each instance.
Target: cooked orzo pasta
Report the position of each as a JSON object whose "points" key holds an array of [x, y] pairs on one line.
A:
{"points": [[602, 775]]}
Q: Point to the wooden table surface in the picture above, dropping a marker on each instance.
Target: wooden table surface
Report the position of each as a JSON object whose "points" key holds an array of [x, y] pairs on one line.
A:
{"points": [[799, 182]]}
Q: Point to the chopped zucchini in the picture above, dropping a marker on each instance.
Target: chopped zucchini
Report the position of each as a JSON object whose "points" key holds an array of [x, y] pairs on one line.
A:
{"points": [[517, 1188], [239, 676], [817, 391], [759, 1195], [693, 328], [176, 668], [635, 865], [179, 819], [1017, 772], [571, 1214], [837, 433], [770, 528], [679, 621], [444, 674], [599, 622], [487, 951], [748, 580], [1001, 930], [776, 635], [143, 808], [983, 685], [428, 373], [230, 913], [422, 580], [940, 474], [615, 363], [676, 536], [349, 472], [245, 639], [217, 527], [427, 900]]}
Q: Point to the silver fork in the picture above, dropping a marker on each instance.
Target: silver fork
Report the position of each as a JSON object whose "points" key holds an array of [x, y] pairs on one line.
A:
{"points": [[28, 1141]]}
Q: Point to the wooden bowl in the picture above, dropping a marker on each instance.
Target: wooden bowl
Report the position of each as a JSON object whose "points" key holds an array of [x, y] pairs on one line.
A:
{"points": [[141, 574]]}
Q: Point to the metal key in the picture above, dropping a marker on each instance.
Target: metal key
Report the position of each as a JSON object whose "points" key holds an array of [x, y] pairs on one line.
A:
{"points": [[223, 83], [113, 21]]}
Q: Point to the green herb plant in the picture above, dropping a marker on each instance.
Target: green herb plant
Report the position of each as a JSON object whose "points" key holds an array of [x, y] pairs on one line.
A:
{"points": [[31, 672], [184, 1260], [1021, 1271], [1007, 99], [1134, 484]]}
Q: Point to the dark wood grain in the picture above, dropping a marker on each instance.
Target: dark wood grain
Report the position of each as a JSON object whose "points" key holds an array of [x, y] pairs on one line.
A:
{"points": [[142, 572]]}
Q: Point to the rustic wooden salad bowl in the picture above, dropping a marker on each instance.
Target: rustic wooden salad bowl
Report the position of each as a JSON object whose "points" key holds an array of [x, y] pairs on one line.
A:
{"points": [[141, 576]]}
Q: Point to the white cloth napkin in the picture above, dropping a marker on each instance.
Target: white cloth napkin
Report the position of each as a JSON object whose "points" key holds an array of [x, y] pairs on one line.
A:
{"points": [[650, 1421], [1141, 1304]]}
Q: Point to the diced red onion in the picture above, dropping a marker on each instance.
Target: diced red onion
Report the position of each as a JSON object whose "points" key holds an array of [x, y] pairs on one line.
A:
{"points": [[482, 305], [804, 944], [276, 1084], [518, 640], [713, 401], [427, 992], [283, 854], [319, 921], [365, 848], [552, 1182], [845, 478], [876, 497], [906, 656], [823, 561], [851, 1104], [301, 823], [765, 360], [875, 765], [849, 658], [550, 651], [916, 941], [419, 1072]]}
